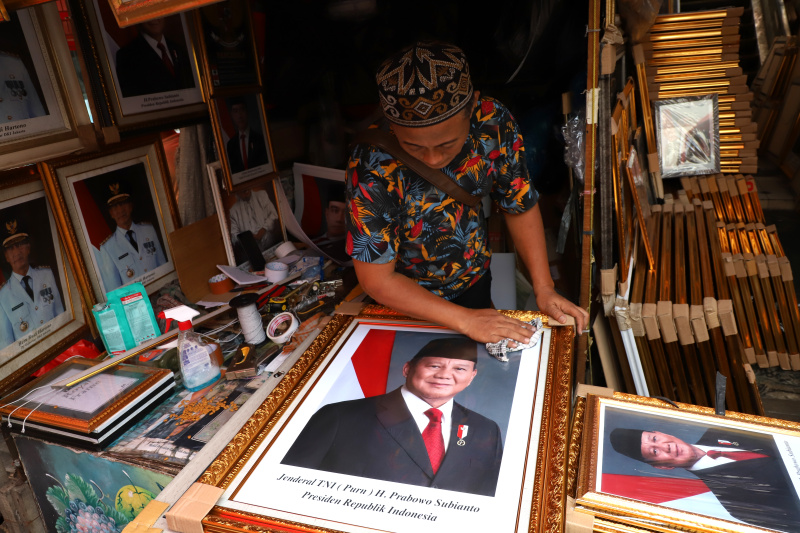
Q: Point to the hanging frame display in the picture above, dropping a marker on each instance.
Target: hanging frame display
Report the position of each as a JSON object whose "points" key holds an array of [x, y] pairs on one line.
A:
{"points": [[511, 431]]}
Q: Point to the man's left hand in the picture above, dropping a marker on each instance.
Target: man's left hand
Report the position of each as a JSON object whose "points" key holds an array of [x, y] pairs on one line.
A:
{"points": [[558, 307]]}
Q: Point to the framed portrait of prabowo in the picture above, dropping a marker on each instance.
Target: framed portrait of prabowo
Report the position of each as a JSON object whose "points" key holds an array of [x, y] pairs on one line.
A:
{"points": [[225, 36], [253, 208], [686, 468], [242, 137], [42, 113], [390, 424], [41, 304], [142, 75], [120, 213]]}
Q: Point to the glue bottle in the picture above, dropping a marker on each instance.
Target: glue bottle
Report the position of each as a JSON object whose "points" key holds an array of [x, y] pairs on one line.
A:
{"points": [[198, 368]]}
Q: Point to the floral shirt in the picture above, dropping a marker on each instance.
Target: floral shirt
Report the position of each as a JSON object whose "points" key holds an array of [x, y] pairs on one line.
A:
{"points": [[442, 244]]}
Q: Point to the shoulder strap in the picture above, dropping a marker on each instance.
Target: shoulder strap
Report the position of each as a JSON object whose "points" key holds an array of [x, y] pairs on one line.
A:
{"points": [[388, 142]]}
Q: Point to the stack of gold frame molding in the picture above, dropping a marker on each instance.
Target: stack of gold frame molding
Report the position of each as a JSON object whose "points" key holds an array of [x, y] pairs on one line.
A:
{"points": [[755, 267], [695, 54]]}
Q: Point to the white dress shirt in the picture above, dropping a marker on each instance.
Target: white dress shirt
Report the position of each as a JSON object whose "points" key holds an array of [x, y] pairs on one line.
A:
{"points": [[418, 406]]}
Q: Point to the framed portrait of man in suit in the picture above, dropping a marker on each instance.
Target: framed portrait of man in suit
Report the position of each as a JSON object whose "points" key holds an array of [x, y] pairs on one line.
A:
{"points": [[405, 426], [242, 137], [681, 464], [40, 299]]}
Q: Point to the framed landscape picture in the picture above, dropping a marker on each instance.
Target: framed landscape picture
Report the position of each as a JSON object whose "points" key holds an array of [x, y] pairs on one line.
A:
{"points": [[689, 468], [336, 446]]}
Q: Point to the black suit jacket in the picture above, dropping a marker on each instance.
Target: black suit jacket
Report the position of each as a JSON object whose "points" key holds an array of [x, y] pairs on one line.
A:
{"points": [[377, 438], [140, 69], [256, 152], [756, 491]]}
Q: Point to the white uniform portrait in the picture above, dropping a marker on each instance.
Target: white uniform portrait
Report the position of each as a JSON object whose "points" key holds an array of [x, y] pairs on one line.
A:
{"points": [[18, 97], [120, 263], [252, 215], [19, 313]]}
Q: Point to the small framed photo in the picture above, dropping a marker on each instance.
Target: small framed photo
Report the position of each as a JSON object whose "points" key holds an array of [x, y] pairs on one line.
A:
{"points": [[687, 131], [143, 74], [242, 136], [688, 468], [41, 110], [253, 208], [228, 47], [41, 311], [121, 215], [345, 451]]}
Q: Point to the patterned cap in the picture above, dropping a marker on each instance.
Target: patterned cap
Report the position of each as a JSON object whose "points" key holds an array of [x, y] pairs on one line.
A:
{"points": [[116, 195], [15, 236], [424, 84]]}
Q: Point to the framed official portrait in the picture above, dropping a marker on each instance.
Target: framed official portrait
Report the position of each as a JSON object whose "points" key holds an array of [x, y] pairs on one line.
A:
{"points": [[687, 135], [120, 213], [242, 137], [226, 39], [253, 208], [490, 475], [687, 467], [42, 113], [142, 75], [43, 315]]}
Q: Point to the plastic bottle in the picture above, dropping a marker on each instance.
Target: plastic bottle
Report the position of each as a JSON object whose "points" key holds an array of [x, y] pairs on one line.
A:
{"points": [[198, 368]]}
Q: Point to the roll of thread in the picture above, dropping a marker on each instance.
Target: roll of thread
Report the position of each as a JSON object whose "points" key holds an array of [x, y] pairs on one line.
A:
{"points": [[284, 249], [276, 272], [249, 319]]}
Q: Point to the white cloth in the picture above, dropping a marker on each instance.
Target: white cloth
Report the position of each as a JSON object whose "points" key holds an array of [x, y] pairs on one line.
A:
{"points": [[120, 263], [252, 215], [418, 406], [19, 315]]}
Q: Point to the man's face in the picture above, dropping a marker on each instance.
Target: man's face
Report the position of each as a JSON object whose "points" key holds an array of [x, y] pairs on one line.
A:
{"points": [[239, 116], [244, 195], [154, 28], [17, 256], [121, 213], [438, 379], [666, 451], [334, 216], [439, 144]]}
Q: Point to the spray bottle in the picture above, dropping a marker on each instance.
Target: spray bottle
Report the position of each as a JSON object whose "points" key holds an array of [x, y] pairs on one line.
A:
{"points": [[198, 367]]}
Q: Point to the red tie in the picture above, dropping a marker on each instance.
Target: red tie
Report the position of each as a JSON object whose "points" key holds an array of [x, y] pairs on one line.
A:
{"points": [[244, 150], [736, 456], [165, 58], [432, 435]]}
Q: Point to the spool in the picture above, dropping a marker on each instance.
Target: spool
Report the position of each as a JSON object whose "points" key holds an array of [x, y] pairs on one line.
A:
{"points": [[250, 320], [282, 327], [284, 249], [276, 272]]}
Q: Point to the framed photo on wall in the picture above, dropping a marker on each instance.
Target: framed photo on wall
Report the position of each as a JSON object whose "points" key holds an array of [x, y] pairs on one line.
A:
{"points": [[253, 208], [121, 214], [353, 384], [42, 315], [142, 75], [689, 468], [225, 35], [42, 113], [242, 137]]}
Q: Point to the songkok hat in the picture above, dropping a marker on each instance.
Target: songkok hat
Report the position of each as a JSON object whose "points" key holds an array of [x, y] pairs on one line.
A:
{"points": [[117, 195], [628, 442], [424, 84], [15, 236], [450, 348]]}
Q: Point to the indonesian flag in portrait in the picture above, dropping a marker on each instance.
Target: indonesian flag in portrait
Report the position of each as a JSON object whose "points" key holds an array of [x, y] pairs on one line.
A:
{"points": [[368, 370]]}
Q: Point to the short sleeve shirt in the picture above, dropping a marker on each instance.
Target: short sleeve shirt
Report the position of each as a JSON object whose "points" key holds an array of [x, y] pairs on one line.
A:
{"points": [[395, 215]]}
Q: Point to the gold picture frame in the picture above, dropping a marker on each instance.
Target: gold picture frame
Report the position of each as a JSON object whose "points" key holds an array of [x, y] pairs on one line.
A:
{"points": [[56, 318], [42, 113], [83, 186], [129, 12], [530, 489], [675, 490]]}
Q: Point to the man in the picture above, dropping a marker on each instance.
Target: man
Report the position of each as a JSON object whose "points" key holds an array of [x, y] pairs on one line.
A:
{"points": [[247, 148], [254, 212], [29, 298], [18, 97], [415, 434], [414, 248], [335, 211], [132, 249], [151, 63], [751, 483]]}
